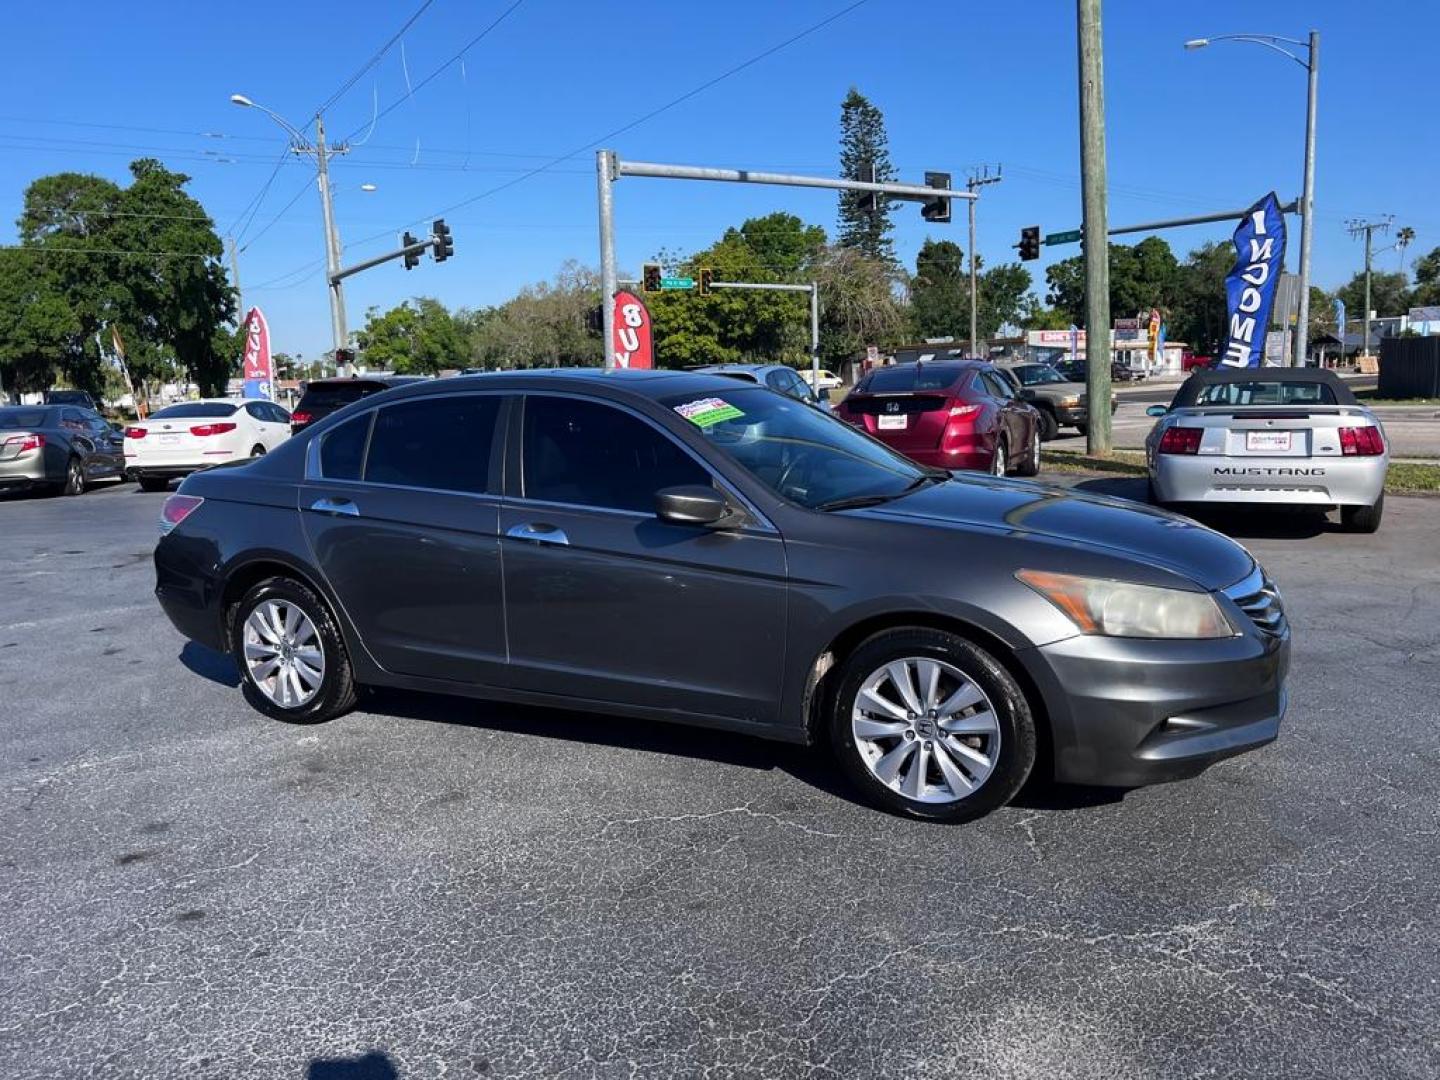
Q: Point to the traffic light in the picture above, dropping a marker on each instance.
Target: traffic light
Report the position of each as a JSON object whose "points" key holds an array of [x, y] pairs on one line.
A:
{"points": [[444, 242], [706, 276], [867, 201], [937, 209], [344, 358], [1030, 242], [650, 278], [595, 319], [412, 258]]}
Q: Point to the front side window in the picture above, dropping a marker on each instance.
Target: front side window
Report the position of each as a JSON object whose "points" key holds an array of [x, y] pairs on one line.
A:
{"points": [[342, 451], [591, 454], [441, 443], [796, 451]]}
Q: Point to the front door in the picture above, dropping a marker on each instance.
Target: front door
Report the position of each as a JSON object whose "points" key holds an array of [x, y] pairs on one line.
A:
{"points": [[405, 533], [605, 601]]}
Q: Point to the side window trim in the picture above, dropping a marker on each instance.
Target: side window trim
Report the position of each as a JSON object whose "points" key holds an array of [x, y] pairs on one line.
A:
{"points": [[515, 445]]}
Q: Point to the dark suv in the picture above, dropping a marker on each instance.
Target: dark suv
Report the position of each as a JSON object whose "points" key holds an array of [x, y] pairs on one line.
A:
{"points": [[324, 396]]}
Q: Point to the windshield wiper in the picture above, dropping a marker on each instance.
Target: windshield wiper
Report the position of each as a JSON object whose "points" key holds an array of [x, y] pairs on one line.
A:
{"points": [[858, 502]]}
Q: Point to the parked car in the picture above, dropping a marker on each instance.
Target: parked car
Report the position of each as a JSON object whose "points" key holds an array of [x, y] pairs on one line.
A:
{"points": [[324, 396], [60, 448], [781, 378], [1271, 436], [954, 414], [827, 380], [1074, 370], [79, 398], [1060, 402], [1190, 362], [191, 435], [681, 547]]}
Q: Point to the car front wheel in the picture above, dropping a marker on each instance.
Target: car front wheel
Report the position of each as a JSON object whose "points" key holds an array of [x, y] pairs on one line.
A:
{"points": [[292, 661], [929, 725]]}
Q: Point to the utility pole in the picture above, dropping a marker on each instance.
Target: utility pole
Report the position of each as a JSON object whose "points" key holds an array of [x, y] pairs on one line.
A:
{"points": [[1095, 226], [978, 179], [332, 244], [235, 277], [605, 179], [1307, 202], [1368, 228]]}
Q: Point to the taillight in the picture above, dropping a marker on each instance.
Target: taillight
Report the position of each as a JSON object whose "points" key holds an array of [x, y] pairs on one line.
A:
{"points": [[1361, 441], [211, 429], [176, 509], [299, 417], [134, 432], [957, 411], [1181, 440], [27, 443]]}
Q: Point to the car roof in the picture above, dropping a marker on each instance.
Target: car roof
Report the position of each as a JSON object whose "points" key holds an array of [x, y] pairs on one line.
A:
{"points": [[359, 380], [624, 382], [1190, 390]]}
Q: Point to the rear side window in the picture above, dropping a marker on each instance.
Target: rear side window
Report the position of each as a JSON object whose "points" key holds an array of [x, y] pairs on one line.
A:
{"points": [[439, 443], [912, 377], [343, 449], [589, 454], [333, 396], [1266, 392], [18, 418]]}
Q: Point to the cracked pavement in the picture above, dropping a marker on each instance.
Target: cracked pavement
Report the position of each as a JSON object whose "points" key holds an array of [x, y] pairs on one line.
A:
{"points": [[440, 887]]}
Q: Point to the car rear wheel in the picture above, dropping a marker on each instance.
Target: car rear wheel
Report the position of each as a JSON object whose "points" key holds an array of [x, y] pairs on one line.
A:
{"points": [[1363, 519], [152, 483], [1030, 464], [257, 451], [292, 661], [999, 461], [74, 482], [930, 725]]}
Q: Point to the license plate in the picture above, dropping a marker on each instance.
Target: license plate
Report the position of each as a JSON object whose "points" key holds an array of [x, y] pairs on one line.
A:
{"points": [[169, 440], [893, 422], [1267, 440]]}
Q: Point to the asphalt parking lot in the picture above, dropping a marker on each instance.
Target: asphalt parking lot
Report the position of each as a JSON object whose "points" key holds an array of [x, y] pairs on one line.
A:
{"points": [[439, 887]]}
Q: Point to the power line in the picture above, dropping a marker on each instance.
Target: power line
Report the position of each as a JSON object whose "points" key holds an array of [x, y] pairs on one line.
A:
{"points": [[253, 206], [38, 250], [293, 200], [421, 84], [374, 59]]}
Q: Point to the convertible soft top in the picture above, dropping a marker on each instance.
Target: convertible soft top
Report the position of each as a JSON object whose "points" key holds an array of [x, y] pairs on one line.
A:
{"points": [[1189, 391]]}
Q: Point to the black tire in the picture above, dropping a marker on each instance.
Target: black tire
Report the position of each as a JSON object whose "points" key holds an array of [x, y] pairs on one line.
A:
{"points": [[1011, 711], [336, 693], [257, 451], [152, 483], [1363, 519], [1049, 426], [1029, 464], [74, 482]]}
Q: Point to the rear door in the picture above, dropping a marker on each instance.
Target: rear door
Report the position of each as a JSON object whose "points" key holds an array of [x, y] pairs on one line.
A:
{"points": [[401, 515], [605, 601], [1014, 415]]}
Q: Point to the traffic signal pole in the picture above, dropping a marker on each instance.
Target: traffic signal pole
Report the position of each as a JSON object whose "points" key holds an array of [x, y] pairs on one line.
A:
{"points": [[609, 168]]}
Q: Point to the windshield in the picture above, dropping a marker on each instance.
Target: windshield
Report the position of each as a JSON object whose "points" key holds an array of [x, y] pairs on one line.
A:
{"points": [[1266, 392], [23, 419], [912, 377], [1038, 375], [194, 409], [795, 450]]}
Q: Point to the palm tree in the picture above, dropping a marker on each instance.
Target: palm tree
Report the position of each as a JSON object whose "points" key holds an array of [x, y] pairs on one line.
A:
{"points": [[1403, 236]]}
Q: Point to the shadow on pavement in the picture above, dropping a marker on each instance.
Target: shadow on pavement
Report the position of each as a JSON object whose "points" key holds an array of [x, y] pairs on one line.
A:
{"points": [[218, 667], [1257, 523], [372, 1066]]}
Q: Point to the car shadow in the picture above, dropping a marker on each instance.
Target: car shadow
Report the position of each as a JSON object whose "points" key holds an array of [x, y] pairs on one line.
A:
{"points": [[376, 1065], [1251, 523], [218, 667]]}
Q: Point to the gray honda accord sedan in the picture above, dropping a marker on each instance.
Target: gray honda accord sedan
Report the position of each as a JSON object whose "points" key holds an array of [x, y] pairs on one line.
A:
{"points": [[680, 547]]}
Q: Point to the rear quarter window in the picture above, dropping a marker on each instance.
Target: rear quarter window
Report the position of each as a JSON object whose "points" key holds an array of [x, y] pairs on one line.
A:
{"points": [[342, 451]]}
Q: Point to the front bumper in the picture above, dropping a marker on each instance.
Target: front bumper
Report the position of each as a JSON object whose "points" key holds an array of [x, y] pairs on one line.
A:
{"points": [[1129, 712], [1311, 481]]}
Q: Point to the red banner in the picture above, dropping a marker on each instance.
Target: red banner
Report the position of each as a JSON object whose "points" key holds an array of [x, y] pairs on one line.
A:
{"points": [[258, 372], [634, 344]]}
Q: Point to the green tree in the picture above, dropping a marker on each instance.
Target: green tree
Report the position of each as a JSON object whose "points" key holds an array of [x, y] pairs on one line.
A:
{"points": [[1389, 294], [1003, 299], [1427, 280], [940, 291], [782, 244], [863, 142], [1198, 314], [1142, 277], [544, 325], [1046, 318], [858, 305], [415, 338], [1065, 281], [37, 325]]}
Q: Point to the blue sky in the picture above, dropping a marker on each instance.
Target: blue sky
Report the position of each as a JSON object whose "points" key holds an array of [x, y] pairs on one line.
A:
{"points": [[960, 85]]}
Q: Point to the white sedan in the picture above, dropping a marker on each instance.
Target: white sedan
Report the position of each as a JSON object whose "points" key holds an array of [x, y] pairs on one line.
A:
{"points": [[828, 380], [192, 435]]}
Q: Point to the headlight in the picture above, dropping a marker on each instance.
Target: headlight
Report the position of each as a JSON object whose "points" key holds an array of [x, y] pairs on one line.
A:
{"points": [[1069, 402], [1120, 609]]}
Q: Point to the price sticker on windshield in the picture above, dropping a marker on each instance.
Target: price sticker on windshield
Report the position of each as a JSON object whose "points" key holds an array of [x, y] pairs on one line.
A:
{"points": [[708, 412]]}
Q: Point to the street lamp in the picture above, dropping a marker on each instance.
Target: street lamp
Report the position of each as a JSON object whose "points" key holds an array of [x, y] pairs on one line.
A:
{"points": [[301, 145], [1311, 64]]}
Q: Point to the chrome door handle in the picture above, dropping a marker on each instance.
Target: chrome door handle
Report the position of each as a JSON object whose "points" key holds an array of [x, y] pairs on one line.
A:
{"points": [[343, 507], [539, 532]]}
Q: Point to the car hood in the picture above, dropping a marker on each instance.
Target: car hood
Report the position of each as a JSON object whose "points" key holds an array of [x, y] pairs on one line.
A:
{"points": [[1115, 526], [1064, 389]]}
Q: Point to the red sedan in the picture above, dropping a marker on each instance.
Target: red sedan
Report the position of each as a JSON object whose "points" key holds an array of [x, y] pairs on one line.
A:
{"points": [[956, 414]]}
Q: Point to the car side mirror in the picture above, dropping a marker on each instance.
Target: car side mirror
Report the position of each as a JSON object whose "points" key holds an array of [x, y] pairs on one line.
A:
{"points": [[1156, 410], [824, 393], [691, 504]]}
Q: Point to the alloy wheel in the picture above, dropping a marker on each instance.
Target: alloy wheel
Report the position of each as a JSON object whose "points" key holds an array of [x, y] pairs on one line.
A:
{"points": [[925, 730], [283, 653], [997, 461], [74, 477]]}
